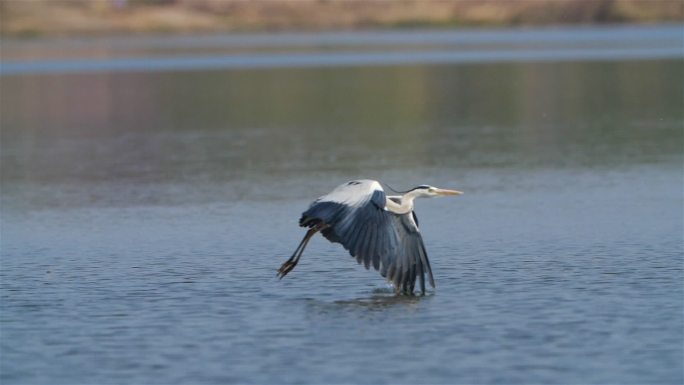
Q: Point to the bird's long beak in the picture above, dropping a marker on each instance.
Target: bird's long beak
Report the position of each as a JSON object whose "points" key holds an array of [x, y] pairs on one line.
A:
{"points": [[442, 191]]}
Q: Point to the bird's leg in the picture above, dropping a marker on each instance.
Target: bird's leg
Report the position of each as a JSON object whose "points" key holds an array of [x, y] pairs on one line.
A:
{"points": [[294, 259]]}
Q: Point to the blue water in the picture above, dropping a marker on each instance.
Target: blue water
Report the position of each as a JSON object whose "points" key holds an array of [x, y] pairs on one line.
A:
{"points": [[144, 216], [332, 49]]}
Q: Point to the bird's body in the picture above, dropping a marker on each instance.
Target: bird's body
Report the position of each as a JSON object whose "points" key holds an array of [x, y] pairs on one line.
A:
{"points": [[377, 230]]}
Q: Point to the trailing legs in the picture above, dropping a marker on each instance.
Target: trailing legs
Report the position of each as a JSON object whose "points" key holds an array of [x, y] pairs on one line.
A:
{"points": [[294, 259]]}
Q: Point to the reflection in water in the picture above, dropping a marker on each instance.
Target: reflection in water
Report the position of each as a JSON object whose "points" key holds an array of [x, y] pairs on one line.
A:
{"points": [[226, 127], [363, 305], [379, 302], [376, 308]]}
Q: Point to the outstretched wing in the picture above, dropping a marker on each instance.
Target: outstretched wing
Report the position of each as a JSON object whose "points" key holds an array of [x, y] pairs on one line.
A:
{"points": [[391, 243]]}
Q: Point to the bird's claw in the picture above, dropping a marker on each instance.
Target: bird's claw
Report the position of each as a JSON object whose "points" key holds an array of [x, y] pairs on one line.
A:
{"points": [[285, 268]]}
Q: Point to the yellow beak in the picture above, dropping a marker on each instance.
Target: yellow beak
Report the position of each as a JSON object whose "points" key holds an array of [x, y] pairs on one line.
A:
{"points": [[441, 191]]}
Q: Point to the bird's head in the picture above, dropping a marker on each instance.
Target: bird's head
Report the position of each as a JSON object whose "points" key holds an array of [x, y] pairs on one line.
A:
{"points": [[426, 191]]}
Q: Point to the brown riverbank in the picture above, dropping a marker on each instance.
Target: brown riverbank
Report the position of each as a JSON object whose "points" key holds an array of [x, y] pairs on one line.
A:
{"points": [[84, 17]]}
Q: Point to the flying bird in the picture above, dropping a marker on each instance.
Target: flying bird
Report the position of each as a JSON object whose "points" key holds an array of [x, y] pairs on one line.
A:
{"points": [[378, 230]]}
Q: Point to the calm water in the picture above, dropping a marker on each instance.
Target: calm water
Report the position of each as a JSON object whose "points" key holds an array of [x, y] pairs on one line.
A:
{"points": [[144, 215]]}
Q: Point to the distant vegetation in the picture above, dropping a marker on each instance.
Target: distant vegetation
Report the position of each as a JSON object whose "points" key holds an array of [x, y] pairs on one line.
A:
{"points": [[82, 17]]}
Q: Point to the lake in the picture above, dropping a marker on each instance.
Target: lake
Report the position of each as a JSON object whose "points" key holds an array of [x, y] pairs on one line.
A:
{"points": [[151, 187]]}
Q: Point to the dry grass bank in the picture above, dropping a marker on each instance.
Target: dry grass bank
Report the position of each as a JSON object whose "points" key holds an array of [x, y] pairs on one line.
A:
{"points": [[81, 17]]}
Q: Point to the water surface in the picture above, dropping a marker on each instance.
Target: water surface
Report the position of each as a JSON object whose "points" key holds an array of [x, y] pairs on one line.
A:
{"points": [[144, 215]]}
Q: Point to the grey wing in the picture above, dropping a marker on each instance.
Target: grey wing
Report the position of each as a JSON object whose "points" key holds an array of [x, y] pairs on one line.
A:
{"points": [[356, 218], [411, 260]]}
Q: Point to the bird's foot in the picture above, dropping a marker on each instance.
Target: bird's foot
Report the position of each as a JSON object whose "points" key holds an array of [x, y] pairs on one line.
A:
{"points": [[286, 267]]}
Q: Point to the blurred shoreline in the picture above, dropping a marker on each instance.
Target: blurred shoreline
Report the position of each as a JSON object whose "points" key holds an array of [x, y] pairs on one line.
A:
{"points": [[47, 18]]}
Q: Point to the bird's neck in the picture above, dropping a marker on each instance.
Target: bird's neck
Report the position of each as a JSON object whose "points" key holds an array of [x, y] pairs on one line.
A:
{"points": [[405, 206]]}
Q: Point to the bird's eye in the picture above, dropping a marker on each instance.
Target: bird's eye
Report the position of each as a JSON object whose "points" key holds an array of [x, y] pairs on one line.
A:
{"points": [[431, 190]]}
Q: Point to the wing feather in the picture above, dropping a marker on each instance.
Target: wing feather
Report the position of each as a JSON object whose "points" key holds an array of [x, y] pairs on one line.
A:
{"points": [[356, 218]]}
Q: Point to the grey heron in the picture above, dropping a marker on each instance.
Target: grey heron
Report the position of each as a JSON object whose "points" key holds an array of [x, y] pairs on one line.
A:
{"points": [[378, 230]]}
